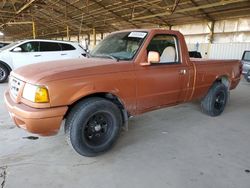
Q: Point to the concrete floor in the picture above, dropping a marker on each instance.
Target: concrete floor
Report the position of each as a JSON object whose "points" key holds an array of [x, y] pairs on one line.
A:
{"points": [[175, 147]]}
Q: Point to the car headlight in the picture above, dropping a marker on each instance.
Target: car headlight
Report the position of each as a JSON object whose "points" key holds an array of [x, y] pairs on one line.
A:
{"points": [[34, 93]]}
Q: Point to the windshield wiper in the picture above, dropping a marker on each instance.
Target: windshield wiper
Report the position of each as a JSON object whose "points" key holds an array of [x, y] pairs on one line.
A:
{"points": [[112, 57], [109, 56]]}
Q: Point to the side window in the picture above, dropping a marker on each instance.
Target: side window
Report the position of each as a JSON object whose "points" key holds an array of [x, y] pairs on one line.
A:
{"points": [[66, 47], [166, 46], [49, 46], [246, 56], [30, 47]]}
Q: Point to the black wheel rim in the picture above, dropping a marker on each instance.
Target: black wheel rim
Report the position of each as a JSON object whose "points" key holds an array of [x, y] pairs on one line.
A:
{"points": [[98, 129], [2, 73], [247, 76], [220, 100]]}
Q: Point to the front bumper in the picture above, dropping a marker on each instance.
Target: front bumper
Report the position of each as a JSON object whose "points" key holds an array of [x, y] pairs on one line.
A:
{"points": [[245, 68], [44, 122]]}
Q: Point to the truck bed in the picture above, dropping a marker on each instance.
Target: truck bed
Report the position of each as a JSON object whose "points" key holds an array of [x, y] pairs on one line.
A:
{"points": [[207, 74]]}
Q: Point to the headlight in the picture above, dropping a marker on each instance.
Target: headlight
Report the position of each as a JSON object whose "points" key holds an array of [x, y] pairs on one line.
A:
{"points": [[38, 94]]}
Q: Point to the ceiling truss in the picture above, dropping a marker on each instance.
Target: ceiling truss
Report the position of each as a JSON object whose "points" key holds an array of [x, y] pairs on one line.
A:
{"points": [[52, 17]]}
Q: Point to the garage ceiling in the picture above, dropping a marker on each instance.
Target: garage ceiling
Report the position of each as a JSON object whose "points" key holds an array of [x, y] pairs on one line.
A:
{"points": [[53, 17]]}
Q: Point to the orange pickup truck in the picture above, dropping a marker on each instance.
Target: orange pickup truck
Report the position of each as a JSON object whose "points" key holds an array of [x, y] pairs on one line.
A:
{"points": [[130, 72]]}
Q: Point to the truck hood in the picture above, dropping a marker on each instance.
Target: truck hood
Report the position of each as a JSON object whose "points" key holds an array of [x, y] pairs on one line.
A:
{"points": [[245, 62], [64, 69]]}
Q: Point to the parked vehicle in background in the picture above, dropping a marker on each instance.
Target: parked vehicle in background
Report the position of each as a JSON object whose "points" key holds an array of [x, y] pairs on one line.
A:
{"points": [[194, 54], [2, 44], [27, 52], [128, 73], [246, 65]]}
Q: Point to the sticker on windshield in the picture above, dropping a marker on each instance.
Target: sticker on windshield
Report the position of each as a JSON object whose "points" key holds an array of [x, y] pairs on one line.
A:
{"points": [[137, 34]]}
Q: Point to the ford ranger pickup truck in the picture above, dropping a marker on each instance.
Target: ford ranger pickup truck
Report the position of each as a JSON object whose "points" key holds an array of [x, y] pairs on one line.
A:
{"points": [[129, 73]]}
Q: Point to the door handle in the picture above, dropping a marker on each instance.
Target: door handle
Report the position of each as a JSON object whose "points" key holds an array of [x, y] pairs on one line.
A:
{"points": [[63, 54], [183, 71], [37, 55]]}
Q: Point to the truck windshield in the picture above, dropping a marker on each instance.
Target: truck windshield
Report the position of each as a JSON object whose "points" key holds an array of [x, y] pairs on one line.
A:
{"points": [[119, 46], [246, 56]]}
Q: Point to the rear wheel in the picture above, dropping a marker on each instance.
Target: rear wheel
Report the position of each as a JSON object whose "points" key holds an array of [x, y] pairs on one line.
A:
{"points": [[93, 126], [4, 73], [216, 99], [247, 76]]}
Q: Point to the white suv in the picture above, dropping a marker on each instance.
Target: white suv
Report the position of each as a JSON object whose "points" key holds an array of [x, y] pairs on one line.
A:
{"points": [[28, 52]]}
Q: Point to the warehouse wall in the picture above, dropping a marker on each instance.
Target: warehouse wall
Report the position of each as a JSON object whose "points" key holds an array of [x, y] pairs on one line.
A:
{"points": [[235, 30], [228, 50], [231, 38], [221, 50]]}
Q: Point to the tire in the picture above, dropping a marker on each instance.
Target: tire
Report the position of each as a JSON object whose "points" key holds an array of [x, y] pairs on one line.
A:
{"points": [[216, 99], [4, 73], [92, 126], [247, 76]]}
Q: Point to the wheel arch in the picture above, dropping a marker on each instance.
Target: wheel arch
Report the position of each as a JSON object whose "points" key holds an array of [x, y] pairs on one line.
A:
{"points": [[6, 65], [224, 79], [108, 96]]}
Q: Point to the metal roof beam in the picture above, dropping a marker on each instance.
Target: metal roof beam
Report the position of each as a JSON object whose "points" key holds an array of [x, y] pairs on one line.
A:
{"points": [[210, 5], [117, 15]]}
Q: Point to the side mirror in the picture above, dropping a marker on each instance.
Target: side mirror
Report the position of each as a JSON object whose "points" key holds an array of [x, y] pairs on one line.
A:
{"points": [[153, 57], [17, 49]]}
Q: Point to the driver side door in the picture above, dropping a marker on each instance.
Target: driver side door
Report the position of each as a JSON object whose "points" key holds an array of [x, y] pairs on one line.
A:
{"points": [[163, 83]]}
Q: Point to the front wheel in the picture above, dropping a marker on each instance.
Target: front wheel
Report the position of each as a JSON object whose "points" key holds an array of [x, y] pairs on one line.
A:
{"points": [[4, 73], [92, 126], [216, 99]]}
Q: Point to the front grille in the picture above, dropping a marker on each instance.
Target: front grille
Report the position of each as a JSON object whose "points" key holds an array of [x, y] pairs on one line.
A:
{"points": [[15, 86]]}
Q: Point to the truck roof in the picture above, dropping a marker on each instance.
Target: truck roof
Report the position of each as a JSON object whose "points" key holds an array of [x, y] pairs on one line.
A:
{"points": [[147, 30]]}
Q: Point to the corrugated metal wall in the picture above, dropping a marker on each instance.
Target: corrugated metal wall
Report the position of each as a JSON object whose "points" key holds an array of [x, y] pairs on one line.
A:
{"points": [[228, 50], [230, 39], [220, 50]]}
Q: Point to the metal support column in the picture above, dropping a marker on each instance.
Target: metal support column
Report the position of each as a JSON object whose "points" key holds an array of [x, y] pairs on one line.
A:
{"points": [[210, 38], [67, 28], [94, 34], [34, 29]]}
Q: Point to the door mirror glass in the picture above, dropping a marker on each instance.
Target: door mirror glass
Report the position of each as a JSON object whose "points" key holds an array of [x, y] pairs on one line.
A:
{"points": [[153, 57], [17, 49]]}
